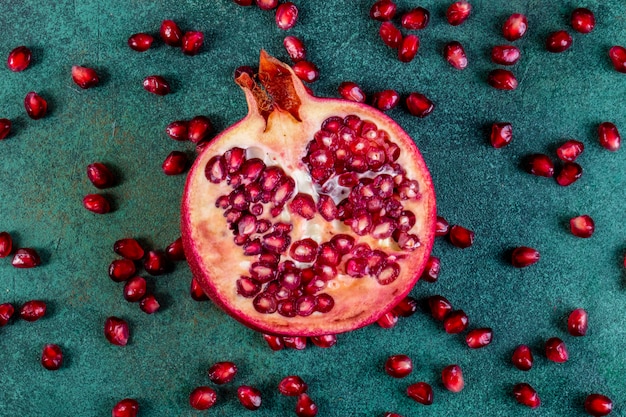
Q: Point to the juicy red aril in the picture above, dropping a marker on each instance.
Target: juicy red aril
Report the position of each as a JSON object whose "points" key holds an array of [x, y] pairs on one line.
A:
{"points": [[274, 342], [170, 33], [501, 134], [292, 386], [502, 80], [177, 130], [388, 320], [6, 312], [351, 91], [398, 366], [415, 19], [439, 307], [295, 48], [305, 407], [196, 291], [122, 269], [325, 341], [35, 105], [128, 407], [556, 351], [442, 227], [249, 397], [175, 163], [385, 100], [6, 244], [390, 34], [526, 395], [452, 378], [5, 128], [577, 322], [522, 358], [570, 172], [156, 263], [618, 58], [116, 331], [455, 322], [85, 77], [175, 251], [582, 226], [100, 175], [539, 164], [286, 15], [96, 203], [140, 42], [598, 405], [505, 54], [420, 392], [199, 129], [202, 398], [515, 27], [156, 84], [295, 342], [304, 250], [478, 338], [52, 357], [454, 53], [431, 270], [19, 59], [408, 48], [419, 105], [558, 41], [583, 20], [267, 4], [26, 258], [149, 304], [458, 12], [222, 372], [244, 2], [406, 307], [33, 310], [135, 289], [524, 256], [383, 10], [129, 248], [306, 71], [570, 150], [461, 237], [608, 136], [192, 42]]}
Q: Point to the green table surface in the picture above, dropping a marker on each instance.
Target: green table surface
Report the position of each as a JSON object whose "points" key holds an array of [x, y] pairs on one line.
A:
{"points": [[43, 180]]}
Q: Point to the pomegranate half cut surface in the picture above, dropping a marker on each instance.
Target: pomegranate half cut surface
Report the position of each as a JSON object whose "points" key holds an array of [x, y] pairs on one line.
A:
{"points": [[310, 216]]}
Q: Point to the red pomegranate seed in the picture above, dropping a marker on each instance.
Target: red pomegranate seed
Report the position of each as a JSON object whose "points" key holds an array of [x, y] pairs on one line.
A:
{"points": [[5, 128], [196, 291], [156, 84], [618, 58], [515, 27], [122, 269], [383, 10], [442, 227], [452, 378], [19, 59], [306, 71], [116, 331], [406, 307], [582, 226], [100, 175], [274, 342], [439, 306], [149, 304], [286, 15], [608, 136], [390, 34], [202, 398], [267, 4], [222, 372], [305, 407], [454, 53], [175, 251], [129, 248], [478, 338], [524, 256], [556, 351], [52, 357], [420, 392], [398, 366], [6, 312], [96, 203], [387, 320], [292, 386], [33, 310], [408, 48], [570, 173], [385, 100], [419, 105], [170, 33], [505, 54], [461, 237], [325, 341], [175, 163], [598, 405], [249, 397], [177, 130], [351, 91], [6, 244], [526, 395], [199, 129], [570, 150], [140, 42], [431, 270], [126, 408], [558, 41], [192, 42], [26, 258], [522, 358], [583, 20], [295, 48], [415, 19], [455, 322], [156, 263], [539, 164], [458, 12], [502, 80], [501, 134], [35, 105], [85, 77], [577, 322], [135, 289], [244, 2]]}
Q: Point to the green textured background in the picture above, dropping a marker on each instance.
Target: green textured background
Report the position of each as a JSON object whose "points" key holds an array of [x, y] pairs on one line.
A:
{"points": [[43, 180]]}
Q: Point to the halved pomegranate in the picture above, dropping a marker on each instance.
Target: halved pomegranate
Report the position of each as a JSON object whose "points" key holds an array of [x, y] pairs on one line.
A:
{"points": [[310, 216]]}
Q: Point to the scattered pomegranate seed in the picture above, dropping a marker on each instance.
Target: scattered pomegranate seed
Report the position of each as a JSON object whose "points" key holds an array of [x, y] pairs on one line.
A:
{"points": [[415, 19], [442, 227], [583, 20], [439, 306], [390, 34], [140, 42], [598, 405], [156, 84], [135, 289], [383, 10], [244, 2], [175, 163], [306, 71], [129, 248], [452, 378], [398, 366], [570, 150], [19, 59], [539, 164], [175, 251], [222, 372], [305, 407], [419, 105], [420, 392], [149, 304], [156, 263], [526, 395], [461, 237], [455, 55], [524, 256], [556, 351], [582, 226], [85, 77], [501, 134], [52, 357], [170, 33], [502, 79], [100, 175], [122, 269], [431, 269], [96, 203], [35, 105], [267, 4], [618, 58], [275, 342], [515, 27], [608, 136], [385, 100], [249, 397], [351, 91], [26, 258], [388, 320], [478, 338], [126, 408], [192, 42], [458, 12], [455, 322], [202, 398], [292, 386], [6, 312], [5, 128], [295, 48], [198, 129], [286, 15], [177, 130], [522, 358], [577, 322], [295, 342], [505, 54], [116, 331], [325, 341], [6, 244], [570, 173], [406, 307], [558, 41], [196, 291], [408, 48], [33, 310]]}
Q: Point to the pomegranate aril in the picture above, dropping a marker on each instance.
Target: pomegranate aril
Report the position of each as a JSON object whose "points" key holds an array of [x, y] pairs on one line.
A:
{"points": [[116, 331], [522, 358], [156, 263], [156, 84], [149, 304], [570, 150], [267, 4], [174, 251], [199, 129], [244, 2], [461, 237], [192, 42], [306, 71], [129, 248], [577, 322], [478, 338], [295, 48], [415, 19], [419, 105], [515, 27], [6, 244], [398, 366], [5, 128], [33, 310], [385, 100], [505, 54], [383, 10], [343, 243], [556, 351], [431, 269], [177, 130], [502, 80], [26, 258], [286, 15], [6, 312], [598, 405], [454, 53], [558, 41], [292, 386], [420, 392], [452, 378], [539, 164], [274, 342], [305, 407], [170, 33], [439, 306], [618, 58], [526, 395], [455, 322], [19, 59], [85, 77], [324, 303], [458, 12], [128, 407], [202, 398], [135, 289], [408, 48], [96, 203], [406, 307], [442, 227], [35, 105], [175, 163], [501, 134], [582, 226], [100, 175], [221, 373], [196, 291], [524, 256], [390, 34], [249, 397], [351, 91], [583, 20], [52, 357], [122, 269], [570, 173], [609, 136], [140, 42], [388, 320], [325, 341]]}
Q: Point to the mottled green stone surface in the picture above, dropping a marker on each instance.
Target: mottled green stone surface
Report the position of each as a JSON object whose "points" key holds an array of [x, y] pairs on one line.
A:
{"points": [[42, 182]]}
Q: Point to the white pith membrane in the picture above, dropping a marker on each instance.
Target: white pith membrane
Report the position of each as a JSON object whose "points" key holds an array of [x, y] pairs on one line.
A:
{"points": [[217, 262]]}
